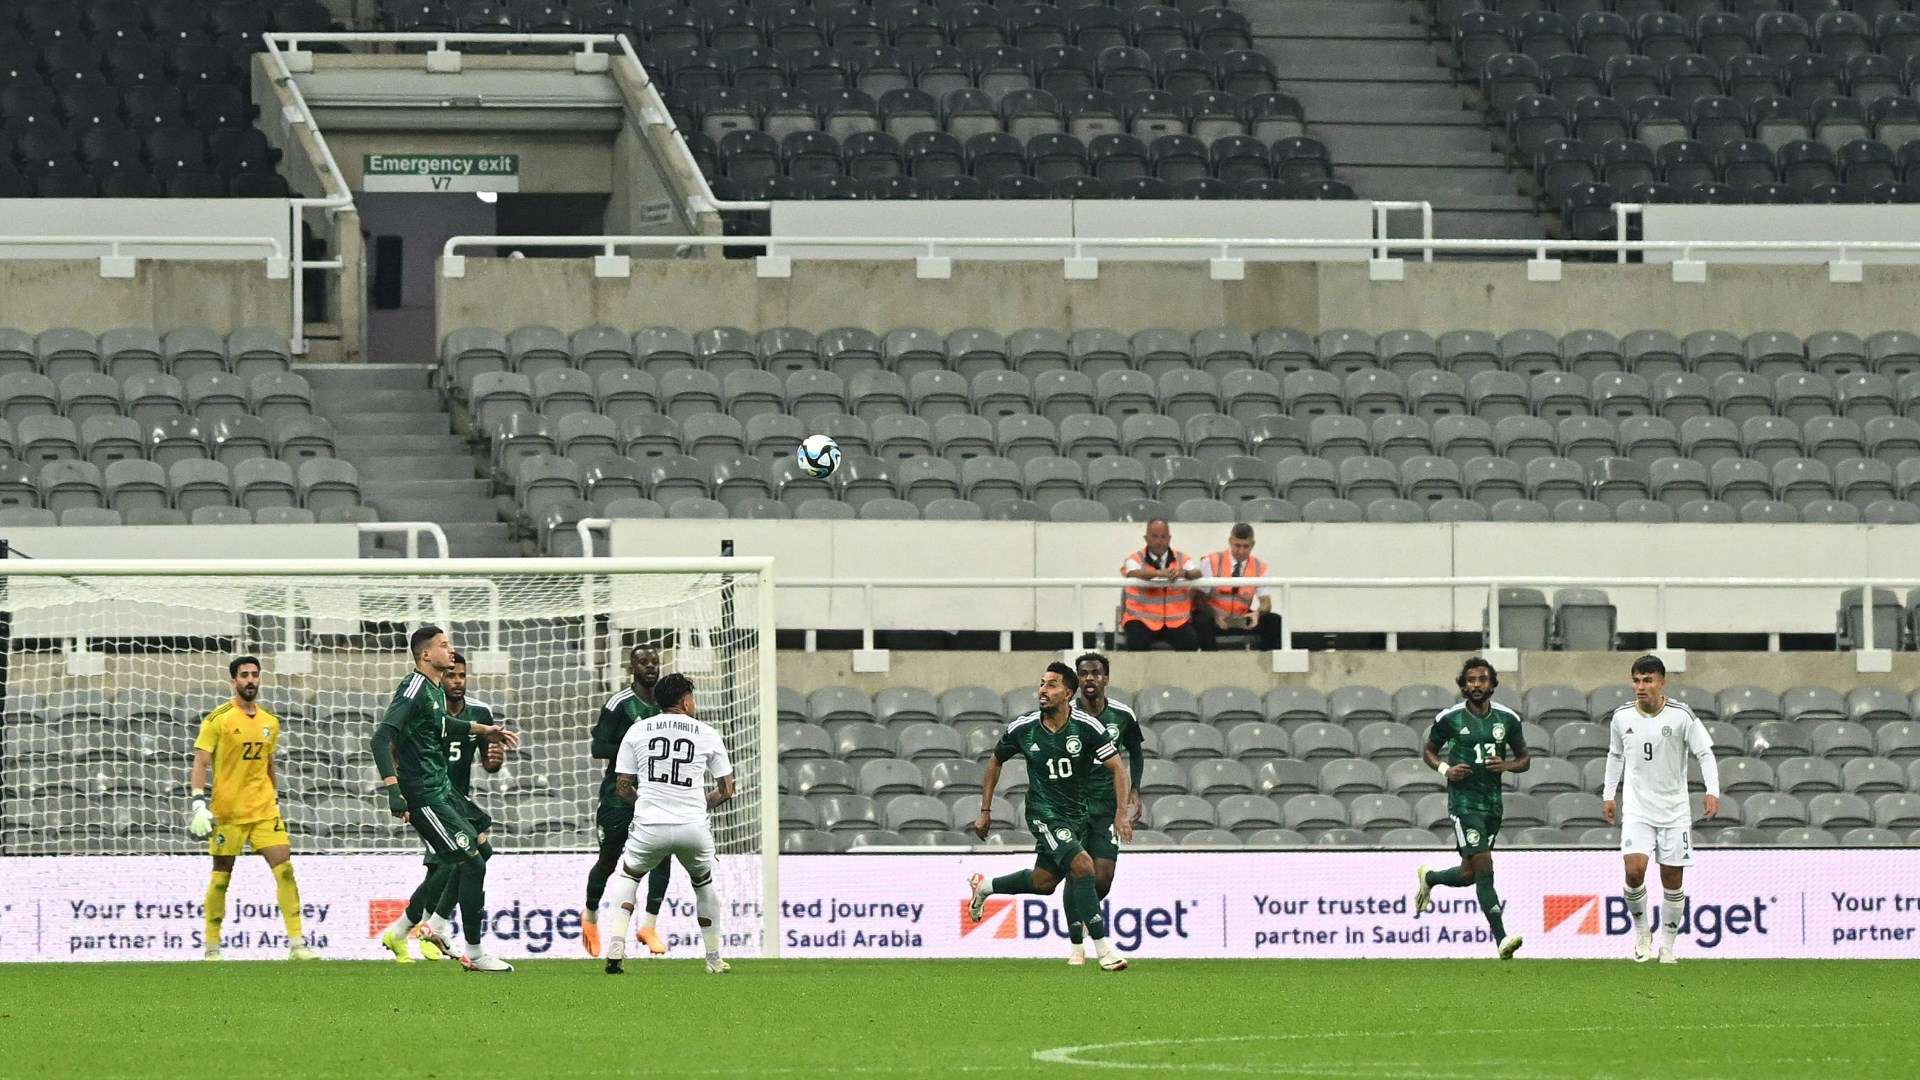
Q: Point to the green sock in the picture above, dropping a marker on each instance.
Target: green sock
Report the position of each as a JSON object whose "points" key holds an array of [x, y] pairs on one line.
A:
{"points": [[473, 897], [1078, 933], [428, 894], [1013, 884], [1445, 877], [1088, 900], [1490, 905], [657, 885]]}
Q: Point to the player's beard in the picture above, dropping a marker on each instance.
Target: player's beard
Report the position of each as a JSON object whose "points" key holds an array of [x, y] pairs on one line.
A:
{"points": [[248, 693], [1479, 698]]}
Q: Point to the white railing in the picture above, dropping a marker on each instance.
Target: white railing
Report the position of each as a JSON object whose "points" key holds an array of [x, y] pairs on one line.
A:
{"points": [[413, 531], [1382, 266], [1282, 590], [115, 263]]}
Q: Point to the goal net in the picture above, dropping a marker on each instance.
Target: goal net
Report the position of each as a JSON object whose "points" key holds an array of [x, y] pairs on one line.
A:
{"points": [[109, 668]]}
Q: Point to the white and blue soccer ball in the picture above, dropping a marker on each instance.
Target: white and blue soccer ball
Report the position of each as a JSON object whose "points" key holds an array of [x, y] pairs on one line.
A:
{"points": [[819, 456]]}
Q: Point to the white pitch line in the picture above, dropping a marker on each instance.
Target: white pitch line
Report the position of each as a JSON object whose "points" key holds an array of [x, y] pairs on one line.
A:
{"points": [[1075, 1055]]}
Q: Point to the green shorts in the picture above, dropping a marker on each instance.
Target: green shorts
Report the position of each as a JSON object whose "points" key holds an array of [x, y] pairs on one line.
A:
{"points": [[481, 821], [1056, 845], [1475, 833], [1099, 837], [444, 827]]}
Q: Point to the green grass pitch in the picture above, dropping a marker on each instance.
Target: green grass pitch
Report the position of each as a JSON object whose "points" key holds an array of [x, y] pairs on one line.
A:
{"points": [[1411, 1020]]}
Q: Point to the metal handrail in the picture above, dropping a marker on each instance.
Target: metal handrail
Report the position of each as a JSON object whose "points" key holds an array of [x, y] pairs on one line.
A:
{"points": [[1539, 249], [1284, 586]]}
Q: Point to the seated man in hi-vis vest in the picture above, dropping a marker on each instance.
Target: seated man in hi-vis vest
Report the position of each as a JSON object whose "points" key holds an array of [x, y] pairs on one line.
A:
{"points": [[1236, 609], [1158, 615]]}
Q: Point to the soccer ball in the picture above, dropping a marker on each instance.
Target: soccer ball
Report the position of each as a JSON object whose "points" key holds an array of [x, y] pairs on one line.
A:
{"points": [[819, 456]]}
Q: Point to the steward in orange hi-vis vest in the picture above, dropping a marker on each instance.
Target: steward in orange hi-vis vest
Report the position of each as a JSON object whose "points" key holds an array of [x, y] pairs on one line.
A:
{"points": [[1232, 601], [1157, 605]]}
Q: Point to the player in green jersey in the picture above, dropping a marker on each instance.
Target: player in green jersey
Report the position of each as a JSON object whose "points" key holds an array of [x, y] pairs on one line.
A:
{"points": [[1472, 745], [1062, 747], [410, 750], [1124, 729], [613, 818], [435, 935]]}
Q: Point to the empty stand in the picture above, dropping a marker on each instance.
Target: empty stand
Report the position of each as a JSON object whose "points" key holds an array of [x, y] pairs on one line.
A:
{"points": [[1208, 426]]}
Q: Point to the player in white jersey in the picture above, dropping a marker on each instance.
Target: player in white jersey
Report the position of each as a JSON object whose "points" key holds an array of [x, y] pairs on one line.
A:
{"points": [[662, 768], [1648, 746]]}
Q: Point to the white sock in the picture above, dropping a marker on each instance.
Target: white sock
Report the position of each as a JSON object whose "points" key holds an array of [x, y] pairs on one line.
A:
{"points": [[706, 904], [1637, 906], [651, 921], [399, 927], [621, 892], [1103, 947], [1672, 903]]}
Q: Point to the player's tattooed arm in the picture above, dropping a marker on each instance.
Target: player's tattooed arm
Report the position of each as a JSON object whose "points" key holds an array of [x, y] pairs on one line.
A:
{"points": [[720, 794], [625, 786]]}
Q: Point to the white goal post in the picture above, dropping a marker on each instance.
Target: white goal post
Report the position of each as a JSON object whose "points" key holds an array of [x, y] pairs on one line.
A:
{"points": [[108, 666]]}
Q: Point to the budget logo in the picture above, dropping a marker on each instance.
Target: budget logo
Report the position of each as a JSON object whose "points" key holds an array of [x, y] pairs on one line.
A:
{"points": [[1582, 911], [382, 912], [998, 915]]}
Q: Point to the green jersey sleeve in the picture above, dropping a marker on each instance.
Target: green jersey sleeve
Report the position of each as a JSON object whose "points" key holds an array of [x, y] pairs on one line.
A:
{"points": [[1516, 741], [1438, 734], [1006, 748], [607, 731]]}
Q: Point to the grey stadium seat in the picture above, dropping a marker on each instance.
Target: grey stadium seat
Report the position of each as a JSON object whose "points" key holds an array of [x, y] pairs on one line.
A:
{"points": [[1286, 776]]}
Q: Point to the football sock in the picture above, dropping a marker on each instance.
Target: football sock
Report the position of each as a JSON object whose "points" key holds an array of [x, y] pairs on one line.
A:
{"points": [[1078, 933], [1089, 903], [598, 879], [1446, 877], [1673, 904], [1012, 884], [425, 896], [1636, 896], [1490, 905], [288, 893], [706, 904], [450, 895], [216, 905], [657, 890], [473, 899], [621, 890]]}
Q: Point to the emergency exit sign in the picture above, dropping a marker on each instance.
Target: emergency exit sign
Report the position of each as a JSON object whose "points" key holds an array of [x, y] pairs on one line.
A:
{"points": [[440, 172]]}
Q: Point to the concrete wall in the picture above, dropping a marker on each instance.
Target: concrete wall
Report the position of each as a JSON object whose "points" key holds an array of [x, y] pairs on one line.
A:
{"points": [[892, 549], [1132, 296], [37, 295], [940, 671]]}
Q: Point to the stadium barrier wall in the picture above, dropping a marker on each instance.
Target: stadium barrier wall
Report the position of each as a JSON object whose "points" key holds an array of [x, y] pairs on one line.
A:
{"points": [[987, 549], [1812, 903], [40, 294], [1435, 297], [1863, 223], [1081, 220]]}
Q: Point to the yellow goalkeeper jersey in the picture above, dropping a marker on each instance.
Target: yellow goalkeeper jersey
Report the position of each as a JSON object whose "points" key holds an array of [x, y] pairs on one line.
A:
{"points": [[242, 746]]}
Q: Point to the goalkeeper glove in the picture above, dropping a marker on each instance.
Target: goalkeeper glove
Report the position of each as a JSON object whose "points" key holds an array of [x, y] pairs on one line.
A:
{"points": [[396, 801], [200, 821]]}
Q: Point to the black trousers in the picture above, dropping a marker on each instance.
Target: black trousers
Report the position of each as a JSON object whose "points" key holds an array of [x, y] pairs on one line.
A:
{"points": [[1139, 638], [1267, 635]]}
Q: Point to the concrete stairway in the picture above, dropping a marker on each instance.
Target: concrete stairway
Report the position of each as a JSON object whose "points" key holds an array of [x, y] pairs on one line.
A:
{"points": [[394, 427], [1375, 92]]}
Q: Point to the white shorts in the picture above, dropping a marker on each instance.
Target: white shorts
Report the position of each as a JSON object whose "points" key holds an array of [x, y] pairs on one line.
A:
{"points": [[691, 843], [1667, 845]]}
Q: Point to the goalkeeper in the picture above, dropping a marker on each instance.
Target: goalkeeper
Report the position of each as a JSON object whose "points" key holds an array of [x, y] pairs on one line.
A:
{"points": [[236, 744]]}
